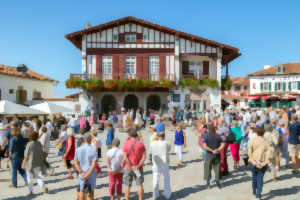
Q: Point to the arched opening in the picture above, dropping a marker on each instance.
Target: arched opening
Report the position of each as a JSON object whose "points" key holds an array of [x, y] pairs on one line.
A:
{"points": [[131, 102], [108, 104], [153, 102]]}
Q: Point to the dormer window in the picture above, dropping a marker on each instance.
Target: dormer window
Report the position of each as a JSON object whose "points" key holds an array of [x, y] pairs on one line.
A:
{"points": [[130, 37], [280, 69]]}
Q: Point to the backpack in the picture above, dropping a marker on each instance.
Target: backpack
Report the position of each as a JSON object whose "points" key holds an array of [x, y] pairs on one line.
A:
{"points": [[230, 138]]}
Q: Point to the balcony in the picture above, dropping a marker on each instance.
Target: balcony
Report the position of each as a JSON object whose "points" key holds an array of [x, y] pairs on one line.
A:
{"points": [[154, 77]]}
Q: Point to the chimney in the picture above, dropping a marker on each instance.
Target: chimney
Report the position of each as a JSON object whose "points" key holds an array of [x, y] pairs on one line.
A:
{"points": [[267, 66], [88, 25]]}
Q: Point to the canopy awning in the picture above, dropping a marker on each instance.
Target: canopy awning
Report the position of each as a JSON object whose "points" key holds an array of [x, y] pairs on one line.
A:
{"points": [[253, 97], [51, 108], [10, 108], [289, 98]]}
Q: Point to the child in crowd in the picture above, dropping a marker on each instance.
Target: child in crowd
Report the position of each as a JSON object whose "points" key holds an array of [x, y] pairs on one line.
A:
{"points": [[110, 135], [179, 143], [115, 163]]}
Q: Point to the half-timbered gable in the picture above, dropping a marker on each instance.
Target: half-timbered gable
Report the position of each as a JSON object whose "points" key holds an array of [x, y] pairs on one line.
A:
{"points": [[132, 48]]}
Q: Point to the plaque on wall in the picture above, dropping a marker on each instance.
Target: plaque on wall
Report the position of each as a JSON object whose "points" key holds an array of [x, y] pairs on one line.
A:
{"points": [[176, 97]]}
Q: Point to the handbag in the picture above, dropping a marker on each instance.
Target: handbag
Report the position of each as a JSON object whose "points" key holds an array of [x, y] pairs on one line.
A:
{"points": [[59, 146], [230, 138]]}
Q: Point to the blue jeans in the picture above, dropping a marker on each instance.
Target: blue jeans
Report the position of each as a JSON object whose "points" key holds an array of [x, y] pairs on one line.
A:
{"points": [[257, 180], [16, 165]]}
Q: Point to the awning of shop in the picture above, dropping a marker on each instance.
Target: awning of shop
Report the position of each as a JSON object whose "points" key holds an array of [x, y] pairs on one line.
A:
{"points": [[289, 98], [265, 97], [253, 97]]}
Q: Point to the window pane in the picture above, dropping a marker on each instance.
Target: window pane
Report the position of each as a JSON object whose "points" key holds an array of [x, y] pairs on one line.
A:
{"points": [[130, 37], [192, 67], [106, 64], [154, 64], [130, 64]]}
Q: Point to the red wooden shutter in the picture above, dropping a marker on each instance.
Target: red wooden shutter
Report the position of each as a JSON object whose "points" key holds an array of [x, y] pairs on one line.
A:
{"points": [[115, 67], [162, 67], [145, 67], [139, 67], [121, 37], [185, 67], [99, 67], [121, 66], [139, 37], [205, 67]]}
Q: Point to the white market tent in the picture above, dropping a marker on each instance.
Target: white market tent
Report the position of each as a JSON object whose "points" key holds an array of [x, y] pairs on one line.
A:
{"points": [[10, 108], [51, 108]]}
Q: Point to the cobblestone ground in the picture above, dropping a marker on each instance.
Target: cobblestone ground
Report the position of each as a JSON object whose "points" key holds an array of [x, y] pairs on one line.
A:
{"points": [[186, 181]]}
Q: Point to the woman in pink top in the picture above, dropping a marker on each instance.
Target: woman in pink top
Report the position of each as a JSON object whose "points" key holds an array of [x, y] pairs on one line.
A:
{"points": [[91, 120], [82, 123]]}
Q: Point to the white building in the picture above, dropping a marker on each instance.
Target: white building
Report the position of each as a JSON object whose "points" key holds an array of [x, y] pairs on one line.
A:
{"points": [[238, 93], [276, 85], [21, 85], [132, 48]]}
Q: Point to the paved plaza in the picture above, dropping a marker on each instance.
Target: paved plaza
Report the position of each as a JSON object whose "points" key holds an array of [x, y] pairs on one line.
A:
{"points": [[186, 181]]}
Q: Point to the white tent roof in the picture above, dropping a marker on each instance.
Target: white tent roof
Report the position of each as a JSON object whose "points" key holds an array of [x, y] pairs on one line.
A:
{"points": [[51, 108], [10, 108]]}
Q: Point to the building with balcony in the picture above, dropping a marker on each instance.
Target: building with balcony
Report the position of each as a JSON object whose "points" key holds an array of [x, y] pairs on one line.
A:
{"points": [[237, 96], [19, 85], [133, 49], [275, 86]]}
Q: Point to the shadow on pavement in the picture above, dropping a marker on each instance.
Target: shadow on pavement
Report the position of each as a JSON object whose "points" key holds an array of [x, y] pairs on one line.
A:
{"points": [[273, 194]]}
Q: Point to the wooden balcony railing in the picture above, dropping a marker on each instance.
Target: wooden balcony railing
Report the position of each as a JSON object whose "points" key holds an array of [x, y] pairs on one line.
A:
{"points": [[156, 77]]}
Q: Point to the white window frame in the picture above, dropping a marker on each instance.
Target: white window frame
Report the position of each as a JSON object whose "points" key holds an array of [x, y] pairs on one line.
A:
{"points": [[130, 37], [106, 64], [154, 64], [192, 67], [130, 64]]}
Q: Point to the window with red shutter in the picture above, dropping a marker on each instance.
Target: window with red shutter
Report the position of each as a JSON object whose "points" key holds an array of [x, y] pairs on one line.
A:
{"points": [[205, 67], [99, 66], [162, 67], [185, 67], [121, 37], [139, 37]]}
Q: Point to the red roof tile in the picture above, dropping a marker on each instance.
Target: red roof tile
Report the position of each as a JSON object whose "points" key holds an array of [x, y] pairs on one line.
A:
{"points": [[12, 71], [240, 80], [289, 68]]}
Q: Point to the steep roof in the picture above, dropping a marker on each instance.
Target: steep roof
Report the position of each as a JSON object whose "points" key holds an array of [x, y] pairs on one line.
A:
{"points": [[229, 52], [289, 68], [240, 80], [12, 71]]}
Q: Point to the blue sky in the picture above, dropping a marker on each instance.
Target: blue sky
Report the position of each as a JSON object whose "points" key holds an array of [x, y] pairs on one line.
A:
{"points": [[32, 32]]}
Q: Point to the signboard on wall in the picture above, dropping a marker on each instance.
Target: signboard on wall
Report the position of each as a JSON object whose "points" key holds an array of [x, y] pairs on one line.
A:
{"points": [[176, 98]]}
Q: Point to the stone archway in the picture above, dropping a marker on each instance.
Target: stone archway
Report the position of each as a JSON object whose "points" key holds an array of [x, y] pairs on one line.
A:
{"points": [[153, 102], [108, 103], [131, 102]]}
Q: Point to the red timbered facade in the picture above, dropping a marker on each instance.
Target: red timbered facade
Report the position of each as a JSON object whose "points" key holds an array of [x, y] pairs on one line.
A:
{"points": [[131, 48]]}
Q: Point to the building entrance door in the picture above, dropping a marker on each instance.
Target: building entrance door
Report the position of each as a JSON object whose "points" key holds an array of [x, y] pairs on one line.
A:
{"points": [[108, 104], [153, 102], [131, 102]]}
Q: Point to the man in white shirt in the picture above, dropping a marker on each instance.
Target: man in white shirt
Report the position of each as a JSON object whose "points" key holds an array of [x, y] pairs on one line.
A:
{"points": [[114, 161], [160, 150], [72, 123]]}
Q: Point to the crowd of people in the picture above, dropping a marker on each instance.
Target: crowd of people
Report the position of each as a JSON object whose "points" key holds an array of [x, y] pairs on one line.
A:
{"points": [[260, 137]]}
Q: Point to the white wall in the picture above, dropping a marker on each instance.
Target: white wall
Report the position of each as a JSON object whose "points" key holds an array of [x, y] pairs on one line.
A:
{"points": [[30, 85], [276, 78]]}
